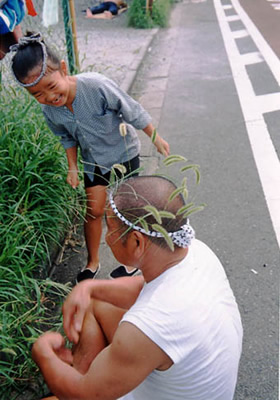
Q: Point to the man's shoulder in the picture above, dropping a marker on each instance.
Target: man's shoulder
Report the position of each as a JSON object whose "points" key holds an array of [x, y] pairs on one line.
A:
{"points": [[202, 250]]}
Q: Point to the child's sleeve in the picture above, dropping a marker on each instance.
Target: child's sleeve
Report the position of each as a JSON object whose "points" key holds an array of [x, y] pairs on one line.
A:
{"points": [[66, 139], [130, 110]]}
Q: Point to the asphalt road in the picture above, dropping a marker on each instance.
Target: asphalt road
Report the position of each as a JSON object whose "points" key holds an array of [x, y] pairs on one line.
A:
{"points": [[190, 82], [266, 16]]}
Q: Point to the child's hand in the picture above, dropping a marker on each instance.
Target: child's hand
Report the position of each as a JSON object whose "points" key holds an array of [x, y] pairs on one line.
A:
{"points": [[162, 146], [73, 178]]}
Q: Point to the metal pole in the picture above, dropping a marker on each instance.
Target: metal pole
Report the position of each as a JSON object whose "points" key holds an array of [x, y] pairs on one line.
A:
{"points": [[74, 32], [68, 36]]}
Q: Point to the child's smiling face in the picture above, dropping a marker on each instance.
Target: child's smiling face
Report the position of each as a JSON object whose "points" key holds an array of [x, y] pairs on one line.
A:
{"points": [[54, 89]]}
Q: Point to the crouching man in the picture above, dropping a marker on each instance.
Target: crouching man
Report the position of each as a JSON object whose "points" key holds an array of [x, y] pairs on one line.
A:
{"points": [[173, 333]]}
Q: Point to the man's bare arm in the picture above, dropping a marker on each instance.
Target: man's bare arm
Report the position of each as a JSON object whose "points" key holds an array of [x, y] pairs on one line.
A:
{"points": [[116, 370], [121, 292]]}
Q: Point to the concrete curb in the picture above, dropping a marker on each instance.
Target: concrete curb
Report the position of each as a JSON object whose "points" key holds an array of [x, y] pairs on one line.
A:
{"points": [[135, 65]]}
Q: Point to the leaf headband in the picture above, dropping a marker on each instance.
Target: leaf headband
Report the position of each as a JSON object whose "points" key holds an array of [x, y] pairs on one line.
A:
{"points": [[23, 42], [181, 238]]}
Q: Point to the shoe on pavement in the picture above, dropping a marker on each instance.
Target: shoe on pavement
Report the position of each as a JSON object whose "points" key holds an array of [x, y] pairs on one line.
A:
{"points": [[121, 272], [87, 273]]}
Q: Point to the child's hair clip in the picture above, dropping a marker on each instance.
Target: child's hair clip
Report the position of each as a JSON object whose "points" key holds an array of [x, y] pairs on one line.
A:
{"points": [[23, 42], [26, 40]]}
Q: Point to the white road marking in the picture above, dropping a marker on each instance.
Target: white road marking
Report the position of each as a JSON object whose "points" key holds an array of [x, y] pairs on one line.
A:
{"points": [[232, 18], [268, 54], [240, 34], [253, 108], [268, 103], [252, 58]]}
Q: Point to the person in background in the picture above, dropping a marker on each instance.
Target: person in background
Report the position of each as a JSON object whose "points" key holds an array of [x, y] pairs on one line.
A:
{"points": [[11, 14], [107, 9]]}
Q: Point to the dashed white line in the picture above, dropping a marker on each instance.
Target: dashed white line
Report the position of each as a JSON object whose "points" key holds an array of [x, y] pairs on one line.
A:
{"points": [[252, 58], [253, 107], [275, 4], [268, 103], [232, 18], [240, 34], [268, 54]]}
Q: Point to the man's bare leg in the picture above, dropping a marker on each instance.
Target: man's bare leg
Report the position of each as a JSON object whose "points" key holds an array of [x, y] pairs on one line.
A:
{"points": [[99, 326], [92, 341]]}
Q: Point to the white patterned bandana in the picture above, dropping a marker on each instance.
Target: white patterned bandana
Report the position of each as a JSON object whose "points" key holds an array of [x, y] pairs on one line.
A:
{"points": [[25, 41], [181, 238]]}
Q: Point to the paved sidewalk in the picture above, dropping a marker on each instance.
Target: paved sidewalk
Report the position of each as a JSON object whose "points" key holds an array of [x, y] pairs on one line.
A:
{"points": [[110, 47]]}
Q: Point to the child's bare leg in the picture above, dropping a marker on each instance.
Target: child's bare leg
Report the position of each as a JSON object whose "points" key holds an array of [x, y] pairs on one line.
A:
{"points": [[99, 326], [96, 200]]}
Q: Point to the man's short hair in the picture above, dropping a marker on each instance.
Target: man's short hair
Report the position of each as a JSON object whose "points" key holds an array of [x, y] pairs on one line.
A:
{"points": [[135, 193]]}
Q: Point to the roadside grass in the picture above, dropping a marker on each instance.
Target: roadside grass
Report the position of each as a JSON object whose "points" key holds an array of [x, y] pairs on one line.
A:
{"points": [[139, 18], [28, 307], [36, 209]]}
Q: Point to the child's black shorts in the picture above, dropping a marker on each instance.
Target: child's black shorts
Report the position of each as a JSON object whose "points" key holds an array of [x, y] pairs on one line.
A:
{"points": [[104, 180]]}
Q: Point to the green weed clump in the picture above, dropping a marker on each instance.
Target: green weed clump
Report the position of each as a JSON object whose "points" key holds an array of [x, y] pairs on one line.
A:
{"points": [[138, 17], [36, 209], [28, 307]]}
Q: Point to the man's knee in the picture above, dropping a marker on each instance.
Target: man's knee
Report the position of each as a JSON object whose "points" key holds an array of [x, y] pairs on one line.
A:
{"points": [[107, 316]]}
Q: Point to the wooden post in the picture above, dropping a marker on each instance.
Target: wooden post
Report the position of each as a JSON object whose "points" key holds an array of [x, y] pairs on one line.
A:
{"points": [[149, 6], [74, 32]]}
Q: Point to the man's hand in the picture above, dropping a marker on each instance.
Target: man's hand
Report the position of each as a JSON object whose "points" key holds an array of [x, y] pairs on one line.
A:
{"points": [[50, 344], [74, 309], [73, 178]]}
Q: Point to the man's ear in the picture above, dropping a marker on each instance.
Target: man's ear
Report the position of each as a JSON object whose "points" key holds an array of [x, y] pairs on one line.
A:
{"points": [[63, 67], [137, 242]]}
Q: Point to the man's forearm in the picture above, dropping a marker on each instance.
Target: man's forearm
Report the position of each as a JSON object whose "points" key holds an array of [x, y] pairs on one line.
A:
{"points": [[62, 379], [121, 292]]}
